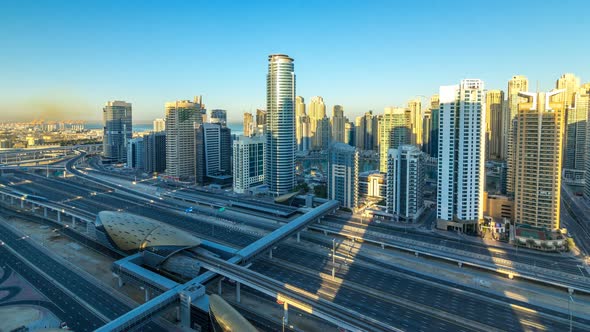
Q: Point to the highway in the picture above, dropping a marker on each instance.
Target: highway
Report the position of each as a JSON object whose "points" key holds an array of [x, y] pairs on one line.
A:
{"points": [[70, 189], [100, 300], [574, 217], [76, 316], [550, 261]]}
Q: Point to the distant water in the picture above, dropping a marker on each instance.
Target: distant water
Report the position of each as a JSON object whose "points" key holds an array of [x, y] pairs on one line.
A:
{"points": [[236, 128]]}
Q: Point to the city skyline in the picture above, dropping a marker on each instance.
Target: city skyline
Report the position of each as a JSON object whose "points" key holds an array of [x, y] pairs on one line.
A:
{"points": [[80, 71]]}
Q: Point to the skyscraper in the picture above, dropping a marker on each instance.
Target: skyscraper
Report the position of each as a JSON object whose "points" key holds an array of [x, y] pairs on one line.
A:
{"points": [[248, 125], [349, 133], [219, 116], [260, 121], [494, 133], [317, 113], [338, 122], [583, 101], [343, 169], [516, 85], [212, 152], [376, 131], [434, 118], [570, 84], [305, 133], [135, 156], [117, 130], [415, 108], [364, 131], [299, 120], [426, 123], [323, 134], [181, 118], [574, 140], [405, 183], [159, 125], [248, 163], [538, 142], [279, 157], [154, 152], [394, 130], [461, 159]]}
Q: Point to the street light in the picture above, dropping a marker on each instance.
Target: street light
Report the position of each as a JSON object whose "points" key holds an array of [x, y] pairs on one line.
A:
{"points": [[333, 258], [571, 299]]}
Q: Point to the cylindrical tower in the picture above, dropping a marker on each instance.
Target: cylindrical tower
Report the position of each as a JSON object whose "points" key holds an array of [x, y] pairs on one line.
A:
{"points": [[279, 163]]}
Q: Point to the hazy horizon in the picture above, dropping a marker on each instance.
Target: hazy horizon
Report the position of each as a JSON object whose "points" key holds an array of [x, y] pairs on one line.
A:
{"points": [[65, 61]]}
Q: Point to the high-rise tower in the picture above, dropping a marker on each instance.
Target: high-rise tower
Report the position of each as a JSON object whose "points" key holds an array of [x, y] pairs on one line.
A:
{"points": [[461, 156], [338, 122], [538, 143], [574, 140], [299, 121], [181, 118], [248, 124], [516, 85], [117, 130], [434, 111], [317, 114], [394, 130], [280, 125], [494, 135], [415, 109]]}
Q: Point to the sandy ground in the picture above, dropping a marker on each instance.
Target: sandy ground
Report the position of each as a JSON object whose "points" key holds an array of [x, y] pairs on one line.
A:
{"points": [[89, 260], [37, 319]]}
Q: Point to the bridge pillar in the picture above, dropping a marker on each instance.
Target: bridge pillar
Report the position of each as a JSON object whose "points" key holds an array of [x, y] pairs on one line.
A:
{"points": [[270, 254], [146, 292], [238, 299], [11, 200], [460, 264], [285, 313], [325, 233], [219, 288], [185, 310], [416, 253], [22, 203], [73, 221], [382, 245], [58, 216], [298, 237], [45, 212]]}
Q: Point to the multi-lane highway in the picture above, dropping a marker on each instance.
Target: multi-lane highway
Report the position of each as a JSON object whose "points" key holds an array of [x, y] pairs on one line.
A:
{"points": [[75, 315], [475, 310], [84, 290]]}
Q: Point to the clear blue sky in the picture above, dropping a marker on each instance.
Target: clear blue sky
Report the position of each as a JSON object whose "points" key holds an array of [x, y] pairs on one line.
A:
{"points": [[66, 58]]}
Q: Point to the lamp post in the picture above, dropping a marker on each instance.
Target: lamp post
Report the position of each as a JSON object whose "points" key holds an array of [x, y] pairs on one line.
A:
{"points": [[333, 258], [571, 299]]}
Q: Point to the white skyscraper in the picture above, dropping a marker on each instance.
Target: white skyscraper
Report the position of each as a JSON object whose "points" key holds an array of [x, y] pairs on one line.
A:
{"points": [[248, 162], [280, 125], [461, 158]]}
